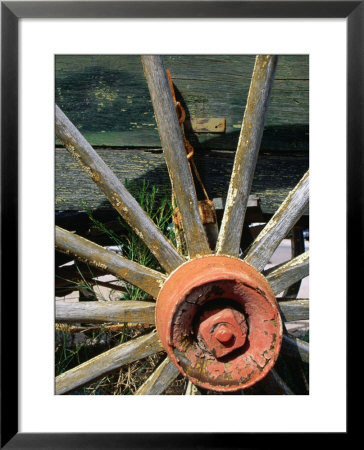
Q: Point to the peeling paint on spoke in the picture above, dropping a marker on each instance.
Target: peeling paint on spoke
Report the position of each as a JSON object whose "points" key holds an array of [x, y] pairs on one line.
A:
{"points": [[120, 198], [148, 280], [289, 273], [246, 155], [175, 155], [291, 310], [279, 225]]}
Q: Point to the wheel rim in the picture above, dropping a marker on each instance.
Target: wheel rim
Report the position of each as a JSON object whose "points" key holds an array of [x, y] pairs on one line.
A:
{"points": [[227, 247]]}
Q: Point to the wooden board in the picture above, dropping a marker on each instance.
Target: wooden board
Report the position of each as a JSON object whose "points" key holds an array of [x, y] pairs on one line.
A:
{"points": [[107, 98], [274, 177]]}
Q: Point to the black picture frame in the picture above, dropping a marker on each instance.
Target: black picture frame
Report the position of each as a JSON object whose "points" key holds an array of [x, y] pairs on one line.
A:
{"points": [[11, 12]]}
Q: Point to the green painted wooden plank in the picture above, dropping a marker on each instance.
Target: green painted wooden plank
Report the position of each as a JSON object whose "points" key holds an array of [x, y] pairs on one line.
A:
{"points": [[107, 98]]}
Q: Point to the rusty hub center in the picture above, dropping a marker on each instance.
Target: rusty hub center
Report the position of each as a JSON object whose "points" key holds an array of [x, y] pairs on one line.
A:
{"points": [[218, 320], [222, 332]]}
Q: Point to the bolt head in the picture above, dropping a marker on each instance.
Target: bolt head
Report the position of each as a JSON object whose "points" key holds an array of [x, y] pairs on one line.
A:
{"points": [[223, 332], [224, 335]]}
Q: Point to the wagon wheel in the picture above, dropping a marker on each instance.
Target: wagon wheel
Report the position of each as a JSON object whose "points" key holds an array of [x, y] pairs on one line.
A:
{"points": [[216, 314]]}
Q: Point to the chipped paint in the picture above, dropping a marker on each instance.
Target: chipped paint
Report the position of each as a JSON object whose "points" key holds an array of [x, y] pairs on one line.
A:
{"points": [[205, 285], [279, 225], [116, 193], [246, 155]]}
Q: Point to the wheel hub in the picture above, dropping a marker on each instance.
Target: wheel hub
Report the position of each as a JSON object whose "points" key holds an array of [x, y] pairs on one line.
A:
{"points": [[222, 332], [219, 322]]}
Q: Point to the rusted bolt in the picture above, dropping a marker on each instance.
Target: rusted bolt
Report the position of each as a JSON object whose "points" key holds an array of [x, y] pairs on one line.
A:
{"points": [[202, 316], [224, 335], [223, 331]]}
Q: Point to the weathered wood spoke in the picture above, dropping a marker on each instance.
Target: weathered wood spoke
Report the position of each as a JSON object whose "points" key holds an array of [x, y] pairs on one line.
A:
{"points": [[246, 155], [289, 273], [192, 389], [143, 312], [116, 192], [294, 309], [297, 248], [295, 348], [279, 225], [112, 359], [126, 311], [160, 379], [80, 248], [175, 155], [228, 242]]}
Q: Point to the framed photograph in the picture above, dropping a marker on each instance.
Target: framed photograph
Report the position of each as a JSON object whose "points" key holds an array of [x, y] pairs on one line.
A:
{"points": [[73, 53]]}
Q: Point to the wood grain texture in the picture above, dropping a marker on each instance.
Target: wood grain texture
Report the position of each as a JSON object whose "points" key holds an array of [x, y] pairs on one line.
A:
{"points": [[295, 348], [116, 193], [192, 389], [160, 379], [294, 309], [279, 225], [126, 311], [274, 177], [175, 155], [86, 251], [289, 273], [297, 248], [228, 242], [143, 312], [106, 96], [112, 359]]}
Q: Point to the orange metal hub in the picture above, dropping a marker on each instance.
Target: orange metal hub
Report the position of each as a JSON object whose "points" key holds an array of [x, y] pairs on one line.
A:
{"points": [[218, 319]]}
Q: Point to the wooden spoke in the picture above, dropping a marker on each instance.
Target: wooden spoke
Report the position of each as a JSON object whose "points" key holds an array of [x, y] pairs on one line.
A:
{"points": [[175, 155], [294, 309], [143, 312], [274, 385], [102, 312], [192, 389], [295, 348], [139, 316], [246, 155], [112, 359], [279, 225], [96, 328], [297, 248], [290, 272], [160, 379], [116, 193], [78, 247]]}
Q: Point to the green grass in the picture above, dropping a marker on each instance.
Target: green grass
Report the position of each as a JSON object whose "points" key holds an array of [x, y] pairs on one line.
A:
{"points": [[159, 207], [130, 244]]}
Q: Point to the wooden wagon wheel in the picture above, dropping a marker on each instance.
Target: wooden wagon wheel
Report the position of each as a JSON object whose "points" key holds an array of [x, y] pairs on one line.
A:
{"points": [[216, 314]]}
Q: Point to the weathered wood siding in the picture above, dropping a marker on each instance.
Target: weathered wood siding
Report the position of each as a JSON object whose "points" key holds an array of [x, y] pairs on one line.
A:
{"points": [[274, 176], [107, 98]]}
